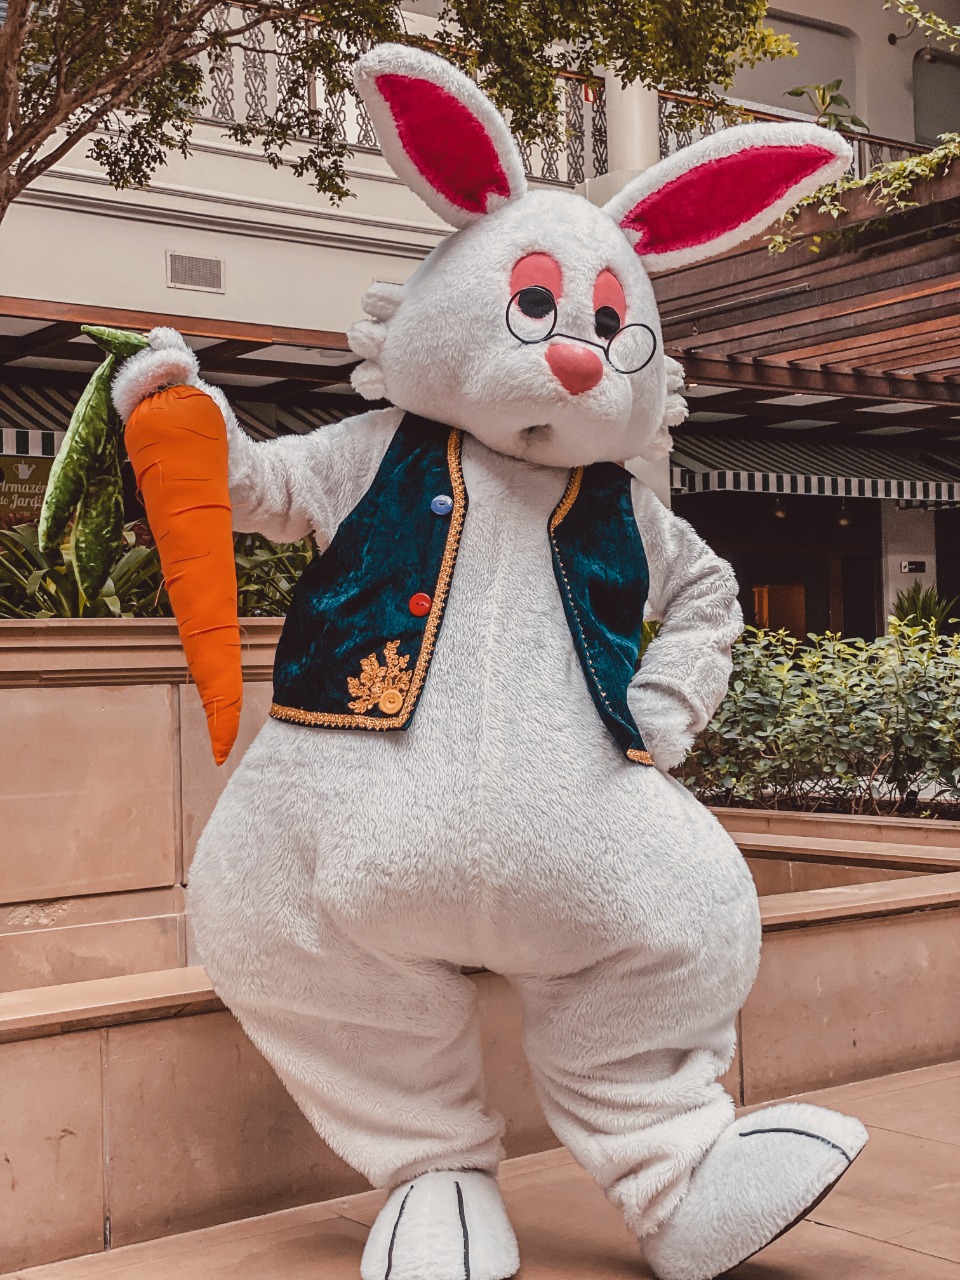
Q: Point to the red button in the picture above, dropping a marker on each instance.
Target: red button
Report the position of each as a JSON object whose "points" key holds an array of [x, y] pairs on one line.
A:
{"points": [[420, 604]]}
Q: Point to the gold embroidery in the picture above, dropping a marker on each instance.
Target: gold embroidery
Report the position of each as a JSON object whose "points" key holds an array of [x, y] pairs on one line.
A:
{"points": [[374, 681], [639, 757], [331, 720]]}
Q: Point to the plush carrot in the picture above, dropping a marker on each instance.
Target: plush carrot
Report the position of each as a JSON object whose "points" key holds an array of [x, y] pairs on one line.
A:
{"points": [[177, 442]]}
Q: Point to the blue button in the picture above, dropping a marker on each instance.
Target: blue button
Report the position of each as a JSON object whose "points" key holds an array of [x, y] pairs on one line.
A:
{"points": [[442, 505]]}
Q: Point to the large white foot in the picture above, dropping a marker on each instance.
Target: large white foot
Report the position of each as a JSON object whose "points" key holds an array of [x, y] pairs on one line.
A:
{"points": [[442, 1226], [764, 1173]]}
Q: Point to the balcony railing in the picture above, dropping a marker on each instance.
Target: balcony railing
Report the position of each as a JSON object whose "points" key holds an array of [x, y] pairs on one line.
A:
{"points": [[869, 150], [243, 83]]}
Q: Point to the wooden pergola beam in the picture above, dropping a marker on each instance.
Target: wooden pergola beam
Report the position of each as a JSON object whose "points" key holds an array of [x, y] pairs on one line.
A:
{"points": [[193, 326], [723, 372], [42, 342]]}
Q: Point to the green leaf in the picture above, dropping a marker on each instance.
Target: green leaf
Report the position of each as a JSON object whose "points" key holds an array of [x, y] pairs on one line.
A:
{"points": [[121, 343], [81, 456]]}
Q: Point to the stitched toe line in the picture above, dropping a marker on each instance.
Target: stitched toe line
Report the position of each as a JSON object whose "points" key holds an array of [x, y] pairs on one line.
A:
{"points": [[802, 1133]]}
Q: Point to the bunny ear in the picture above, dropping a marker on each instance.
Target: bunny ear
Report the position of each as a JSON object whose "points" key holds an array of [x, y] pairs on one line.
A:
{"points": [[439, 133], [724, 189]]}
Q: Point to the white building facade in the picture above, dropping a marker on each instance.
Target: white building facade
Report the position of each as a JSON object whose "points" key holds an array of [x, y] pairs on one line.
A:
{"points": [[268, 275]]}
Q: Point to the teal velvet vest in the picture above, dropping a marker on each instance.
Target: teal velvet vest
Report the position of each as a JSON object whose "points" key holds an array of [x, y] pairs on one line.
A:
{"points": [[356, 646]]}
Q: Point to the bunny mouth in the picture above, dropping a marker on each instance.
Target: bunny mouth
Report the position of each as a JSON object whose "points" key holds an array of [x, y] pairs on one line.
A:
{"points": [[536, 434]]}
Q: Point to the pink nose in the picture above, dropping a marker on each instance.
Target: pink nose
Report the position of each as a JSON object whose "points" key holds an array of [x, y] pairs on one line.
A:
{"points": [[577, 368]]}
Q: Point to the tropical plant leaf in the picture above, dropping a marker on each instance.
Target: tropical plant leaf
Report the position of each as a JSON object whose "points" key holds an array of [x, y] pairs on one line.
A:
{"points": [[266, 578]]}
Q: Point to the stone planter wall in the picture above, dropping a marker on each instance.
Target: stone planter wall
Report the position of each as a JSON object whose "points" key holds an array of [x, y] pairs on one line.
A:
{"points": [[106, 780], [840, 826]]}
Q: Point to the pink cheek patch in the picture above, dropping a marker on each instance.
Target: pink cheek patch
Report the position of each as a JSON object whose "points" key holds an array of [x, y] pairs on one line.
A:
{"points": [[537, 269], [445, 141], [608, 292]]}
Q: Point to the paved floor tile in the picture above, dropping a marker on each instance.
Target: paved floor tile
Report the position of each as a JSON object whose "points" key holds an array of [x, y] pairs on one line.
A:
{"points": [[893, 1217], [927, 1111]]}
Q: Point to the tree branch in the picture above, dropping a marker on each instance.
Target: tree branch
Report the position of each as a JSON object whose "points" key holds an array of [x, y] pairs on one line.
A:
{"points": [[178, 45], [13, 34]]}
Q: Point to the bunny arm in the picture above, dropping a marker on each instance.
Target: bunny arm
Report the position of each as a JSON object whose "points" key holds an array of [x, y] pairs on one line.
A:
{"points": [[286, 488], [685, 671]]}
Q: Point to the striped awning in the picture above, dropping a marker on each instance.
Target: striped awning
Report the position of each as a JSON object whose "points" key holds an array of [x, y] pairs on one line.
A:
{"points": [[717, 463], [264, 421], [34, 419]]}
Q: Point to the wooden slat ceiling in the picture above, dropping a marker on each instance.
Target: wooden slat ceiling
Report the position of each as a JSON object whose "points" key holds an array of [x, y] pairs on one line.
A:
{"points": [[861, 337], [41, 342]]}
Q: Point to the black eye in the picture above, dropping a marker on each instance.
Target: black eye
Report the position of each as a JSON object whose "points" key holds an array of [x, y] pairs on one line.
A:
{"points": [[532, 314], [606, 322], [535, 302]]}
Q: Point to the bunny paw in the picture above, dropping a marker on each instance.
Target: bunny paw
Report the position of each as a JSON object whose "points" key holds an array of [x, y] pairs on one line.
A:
{"points": [[764, 1173], [442, 1226]]}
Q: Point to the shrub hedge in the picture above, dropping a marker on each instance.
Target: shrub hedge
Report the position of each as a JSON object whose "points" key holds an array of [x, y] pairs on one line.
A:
{"points": [[856, 726]]}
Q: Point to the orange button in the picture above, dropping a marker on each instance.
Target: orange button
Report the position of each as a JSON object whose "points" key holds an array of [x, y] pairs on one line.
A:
{"points": [[391, 702], [420, 604]]}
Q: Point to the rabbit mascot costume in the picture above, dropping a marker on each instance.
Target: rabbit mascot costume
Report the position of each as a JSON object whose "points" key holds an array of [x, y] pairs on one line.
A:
{"points": [[464, 764]]}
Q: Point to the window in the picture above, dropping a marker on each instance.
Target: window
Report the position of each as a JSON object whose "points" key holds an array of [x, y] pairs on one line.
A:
{"points": [[936, 95], [825, 53]]}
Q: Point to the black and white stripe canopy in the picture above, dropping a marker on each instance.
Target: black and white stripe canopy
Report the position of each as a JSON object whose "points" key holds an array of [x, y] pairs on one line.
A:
{"points": [[715, 463], [34, 419]]}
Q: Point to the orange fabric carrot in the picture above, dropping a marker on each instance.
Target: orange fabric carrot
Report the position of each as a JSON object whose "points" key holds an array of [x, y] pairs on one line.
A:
{"points": [[177, 442]]}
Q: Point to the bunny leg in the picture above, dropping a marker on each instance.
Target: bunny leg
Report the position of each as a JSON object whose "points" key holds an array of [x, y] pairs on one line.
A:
{"points": [[634, 1096], [627, 1055], [383, 1058], [382, 1055], [628, 1048]]}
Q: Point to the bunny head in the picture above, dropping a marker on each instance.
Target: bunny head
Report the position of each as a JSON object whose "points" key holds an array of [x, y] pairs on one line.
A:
{"points": [[534, 326]]}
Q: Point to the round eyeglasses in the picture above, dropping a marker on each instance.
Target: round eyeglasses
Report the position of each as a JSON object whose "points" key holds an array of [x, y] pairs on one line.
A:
{"points": [[532, 318]]}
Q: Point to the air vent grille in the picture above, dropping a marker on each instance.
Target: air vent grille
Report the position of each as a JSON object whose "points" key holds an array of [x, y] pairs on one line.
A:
{"points": [[187, 272]]}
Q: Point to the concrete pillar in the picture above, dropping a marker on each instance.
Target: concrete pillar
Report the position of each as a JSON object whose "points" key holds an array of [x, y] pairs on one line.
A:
{"points": [[907, 535], [633, 144], [633, 137], [655, 475]]}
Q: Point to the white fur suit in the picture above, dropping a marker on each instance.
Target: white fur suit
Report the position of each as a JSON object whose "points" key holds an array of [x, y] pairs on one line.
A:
{"points": [[345, 877]]}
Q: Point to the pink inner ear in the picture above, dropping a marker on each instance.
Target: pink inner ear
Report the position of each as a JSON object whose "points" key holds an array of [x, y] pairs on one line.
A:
{"points": [[446, 142], [719, 196]]}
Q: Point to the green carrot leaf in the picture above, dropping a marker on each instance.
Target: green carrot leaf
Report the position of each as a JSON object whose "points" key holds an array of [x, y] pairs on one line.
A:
{"points": [[79, 456], [121, 343]]}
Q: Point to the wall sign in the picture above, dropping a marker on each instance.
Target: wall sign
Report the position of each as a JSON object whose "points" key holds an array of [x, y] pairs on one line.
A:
{"points": [[22, 484]]}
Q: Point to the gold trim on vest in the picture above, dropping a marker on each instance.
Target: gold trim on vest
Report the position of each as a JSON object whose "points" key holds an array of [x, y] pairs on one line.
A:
{"points": [[452, 546], [568, 499]]}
